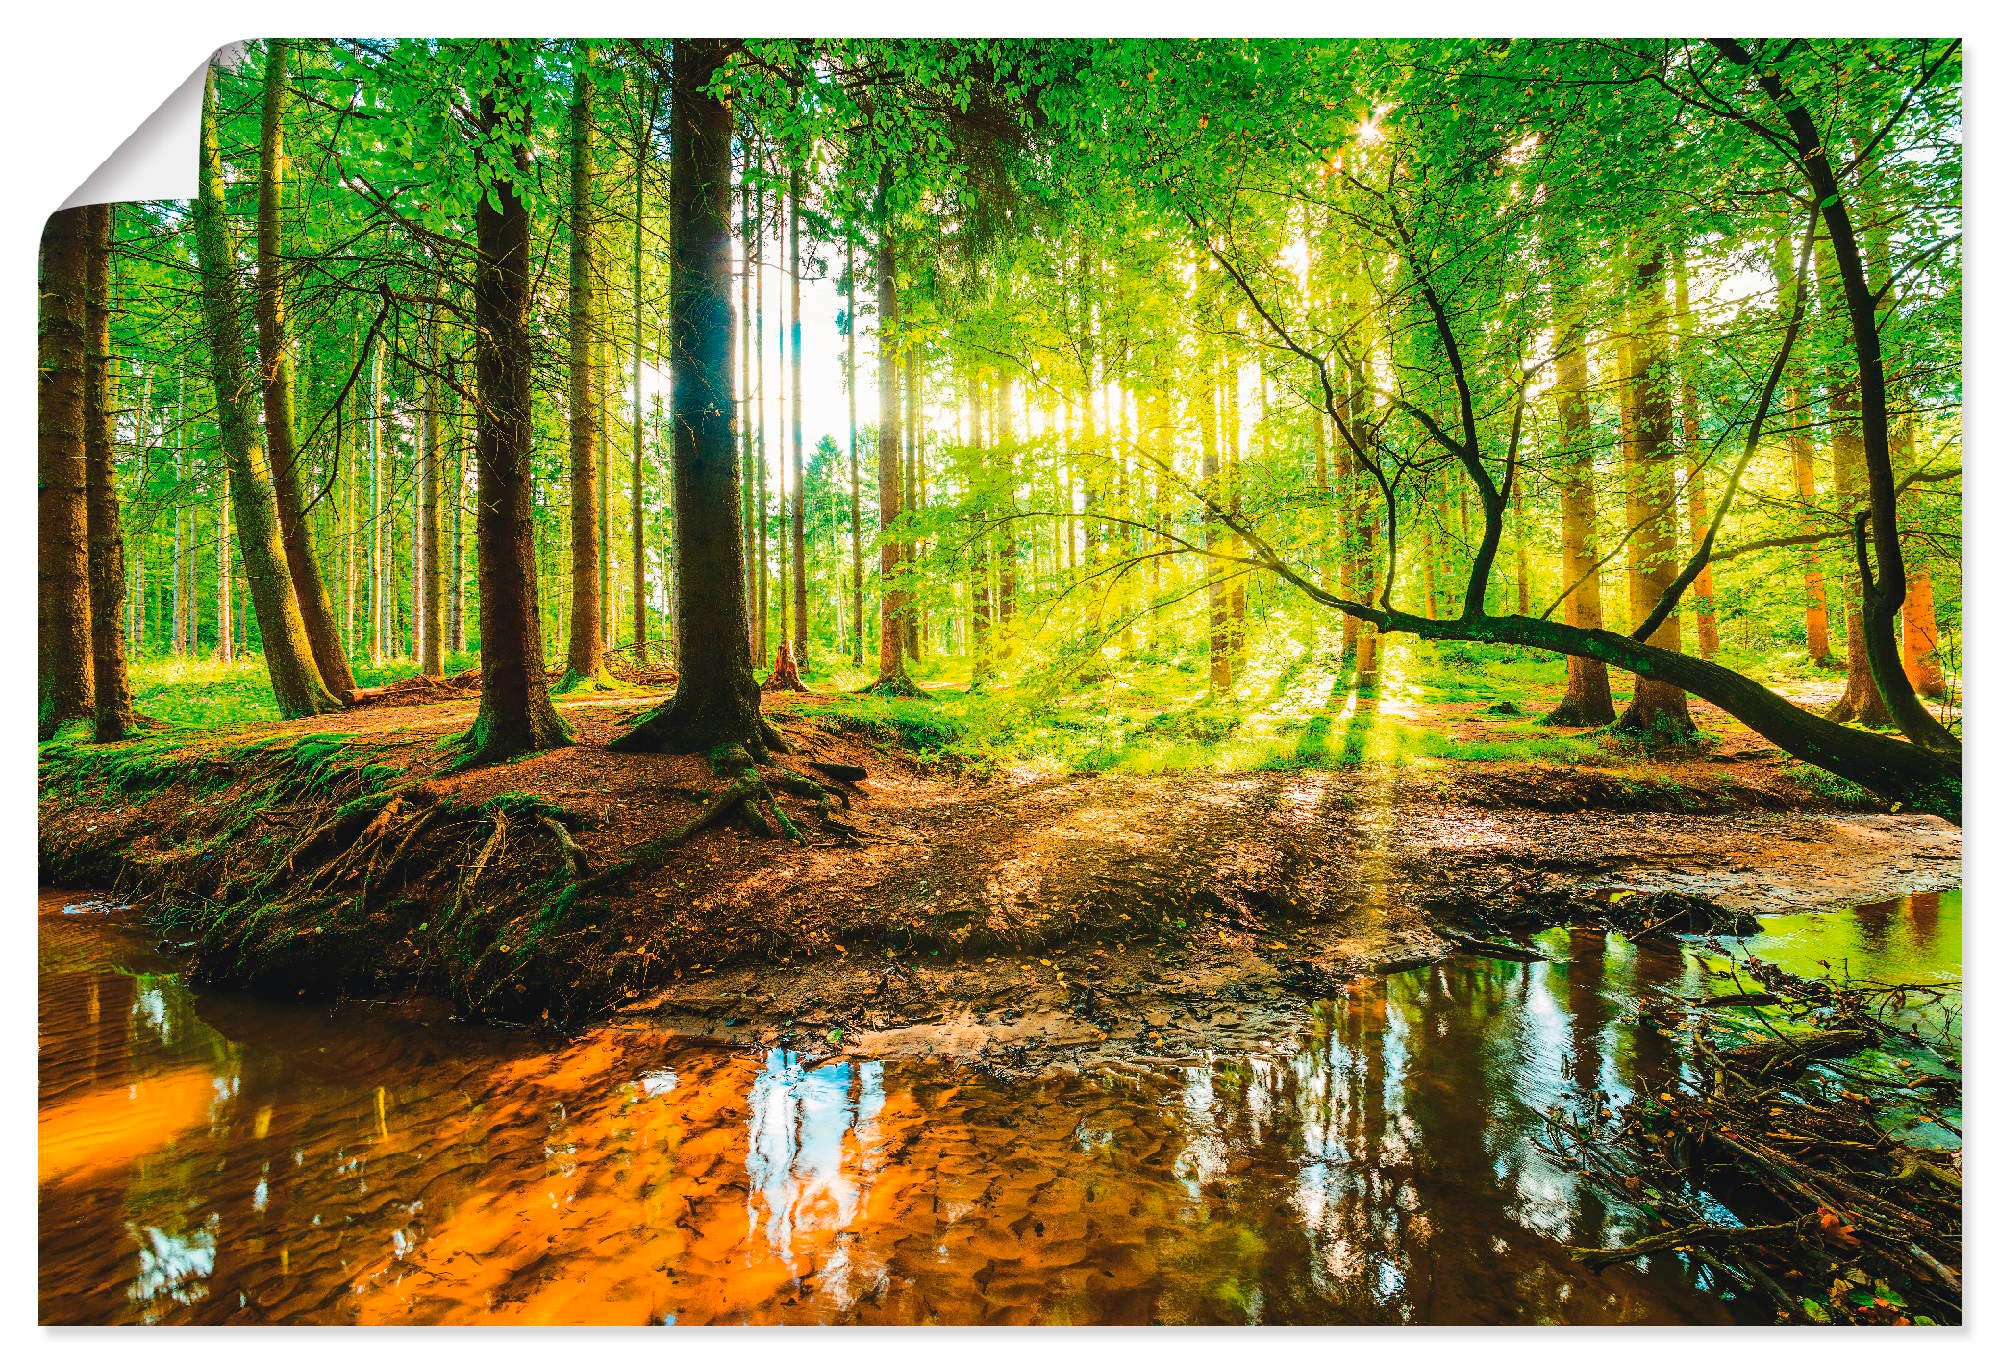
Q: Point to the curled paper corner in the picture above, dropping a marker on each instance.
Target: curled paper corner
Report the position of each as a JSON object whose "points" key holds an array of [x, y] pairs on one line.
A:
{"points": [[158, 160]]}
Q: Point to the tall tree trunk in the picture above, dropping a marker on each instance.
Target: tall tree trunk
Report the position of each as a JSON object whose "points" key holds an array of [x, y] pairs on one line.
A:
{"points": [[1862, 701], [458, 493], [1221, 673], [378, 577], [1798, 444], [1819, 644], [762, 474], [892, 674], [912, 499], [854, 463], [1708, 639], [801, 633], [515, 713], [585, 669], [1920, 637], [225, 579], [1656, 708], [1008, 549], [110, 683], [1587, 695], [640, 645], [63, 624], [430, 527], [295, 679], [717, 701], [274, 355]]}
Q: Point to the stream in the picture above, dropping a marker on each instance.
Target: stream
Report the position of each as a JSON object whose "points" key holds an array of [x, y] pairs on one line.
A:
{"points": [[210, 1158]]}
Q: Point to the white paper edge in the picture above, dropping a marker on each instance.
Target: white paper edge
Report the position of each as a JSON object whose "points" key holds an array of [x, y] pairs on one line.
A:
{"points": [[158, 160]]}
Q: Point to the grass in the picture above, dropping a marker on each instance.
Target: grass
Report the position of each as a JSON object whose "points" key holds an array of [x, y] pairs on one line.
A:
{"points": [[206, 694]]}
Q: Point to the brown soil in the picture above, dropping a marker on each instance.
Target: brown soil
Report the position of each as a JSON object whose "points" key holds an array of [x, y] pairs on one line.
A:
{"points": [[1008, 920]]}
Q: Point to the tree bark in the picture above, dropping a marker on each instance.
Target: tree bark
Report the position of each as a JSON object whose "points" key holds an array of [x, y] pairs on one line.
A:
{"points": [[717, 700], [1656, 709], [1708, 639], [854, 464], [801, 635], [430, 541], [1861, 702], [63, 623], [295, 678], [515, 713], [274, 355], [1587, 696], [640, 645], [892, 673], [584, 668], [1920, 637], [110, 682]]}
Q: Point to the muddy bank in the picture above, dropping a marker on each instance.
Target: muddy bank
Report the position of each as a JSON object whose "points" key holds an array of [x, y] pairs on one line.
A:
{"points": [[1012, 920]]}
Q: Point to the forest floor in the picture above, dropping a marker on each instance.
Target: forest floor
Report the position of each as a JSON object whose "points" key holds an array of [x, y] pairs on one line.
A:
{"points": [[1003, 913]]}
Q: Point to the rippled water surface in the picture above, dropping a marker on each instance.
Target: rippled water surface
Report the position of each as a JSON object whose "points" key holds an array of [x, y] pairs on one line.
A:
{"points": [[206, 1158]]}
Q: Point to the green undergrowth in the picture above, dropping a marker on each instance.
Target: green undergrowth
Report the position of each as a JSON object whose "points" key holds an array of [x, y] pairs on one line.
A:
{"points": [[1153, 713], [206, 694]]}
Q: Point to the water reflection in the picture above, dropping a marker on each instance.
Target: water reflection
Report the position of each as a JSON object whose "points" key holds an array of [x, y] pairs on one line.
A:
{"points": [[210, 1159]]}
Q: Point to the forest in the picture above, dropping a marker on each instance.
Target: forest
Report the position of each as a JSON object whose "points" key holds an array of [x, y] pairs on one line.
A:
{"points": [[941, 546]]}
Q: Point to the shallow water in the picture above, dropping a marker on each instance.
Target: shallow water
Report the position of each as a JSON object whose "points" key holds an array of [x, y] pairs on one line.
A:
{"points": [[206, 1158]]}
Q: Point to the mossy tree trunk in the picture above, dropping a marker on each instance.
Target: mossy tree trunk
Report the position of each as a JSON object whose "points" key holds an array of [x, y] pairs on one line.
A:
{"points": [[111, 682], [717, 703], [1657, 708], [515, 713], [275, 366], [295, 676], [585, 669], [62, 524]]}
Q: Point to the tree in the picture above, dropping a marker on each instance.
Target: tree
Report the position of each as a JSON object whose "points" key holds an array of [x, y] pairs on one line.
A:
{"points": [[111, 684], [275, 366], [801, 632], [295, 677], [1656, 709], [515, 713], [717, 702], [63, 642], [892, 675], [1587, 694], [586, 669]]}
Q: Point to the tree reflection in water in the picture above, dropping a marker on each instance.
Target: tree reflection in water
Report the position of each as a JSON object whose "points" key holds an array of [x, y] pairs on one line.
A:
{"points": [[212, 1159]]}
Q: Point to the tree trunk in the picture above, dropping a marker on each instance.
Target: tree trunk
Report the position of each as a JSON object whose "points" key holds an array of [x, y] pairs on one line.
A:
{"points": [[430, 539], [274, 355], [1708, 639], [378, 577], [1920, 638], [854, 464], [1587, 697], [892, 674], [515, 713], [801, 635], [1008, 549], [1221, 675], [110, 683], [584, 669], [717, 700], [225, 579], [1862, 701], [63, 624], [458, 492], [1656, 709], [295, 678], [641, 649]]}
